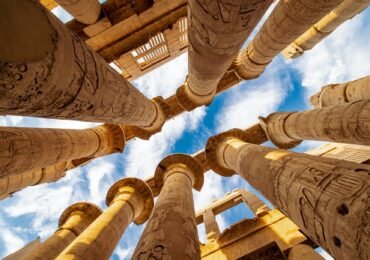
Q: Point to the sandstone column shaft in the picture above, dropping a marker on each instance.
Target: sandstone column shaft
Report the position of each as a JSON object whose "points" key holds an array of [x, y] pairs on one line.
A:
{"points": [[26, 149], [347, 92], [343, 12], [217, 30], [288, 20], [345, 123], [171, 232], [129, 199], [210, 224], [74, 220], [84, 11], [46, 71], [327, 198], [303, 252], [16, 182]]}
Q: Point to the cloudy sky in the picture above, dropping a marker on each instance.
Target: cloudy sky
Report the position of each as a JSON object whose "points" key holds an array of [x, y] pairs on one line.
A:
{"points": [[284, 86]]}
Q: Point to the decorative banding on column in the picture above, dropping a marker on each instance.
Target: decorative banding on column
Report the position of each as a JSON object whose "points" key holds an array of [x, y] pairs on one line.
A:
{"points": [[84, 11], [73, 221], [253, 134], [274, 127], [181, 159], [163, 113], [141, 188], [189, 100]]}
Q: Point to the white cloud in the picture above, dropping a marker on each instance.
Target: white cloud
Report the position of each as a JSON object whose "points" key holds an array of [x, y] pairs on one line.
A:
{"points": [[9, 239], [344, 55]]}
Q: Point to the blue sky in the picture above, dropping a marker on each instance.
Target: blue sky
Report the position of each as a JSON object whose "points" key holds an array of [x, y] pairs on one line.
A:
{"points": [[284, 86]]}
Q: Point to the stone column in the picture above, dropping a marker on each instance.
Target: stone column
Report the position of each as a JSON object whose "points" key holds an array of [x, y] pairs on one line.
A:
{"points": [[288, 20], [84, 11], [217, 30], [327, 198], [45, 71], [347, 92], [303, 252], [12, 183], [26, 149], [128, 200], [345, 123], [210, 224], [171, 232], [320, 30], [73, 221]]}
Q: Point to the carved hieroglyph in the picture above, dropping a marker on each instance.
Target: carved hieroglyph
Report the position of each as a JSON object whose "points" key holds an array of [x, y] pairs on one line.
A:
{"points": [[26, 149], [217, 30], [327, 198], [343, 12], [171, 232], [288, 20], [344, 123], [47, 72], [84, 11], [128, 199], [347, 92], [73, 221]]}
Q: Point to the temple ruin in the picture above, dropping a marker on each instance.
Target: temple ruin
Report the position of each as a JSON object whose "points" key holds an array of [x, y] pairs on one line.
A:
{"points": [[48, 69]]}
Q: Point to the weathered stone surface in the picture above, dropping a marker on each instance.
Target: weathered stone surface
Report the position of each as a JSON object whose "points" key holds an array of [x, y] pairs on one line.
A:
{"points": [[327, 198], [84, 11], [288, 20], [171, 232], [344, 123], [343, 12], [128, 199], [303, 252], [217, 30], [47, 72], [27, 149], [335, 94], [73, 221]]}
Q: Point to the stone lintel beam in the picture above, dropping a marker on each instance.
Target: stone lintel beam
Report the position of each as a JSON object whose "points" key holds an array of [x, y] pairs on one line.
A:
{"points": [[84, 11], [217, 30], [344, 123], [320, 30], [288, 20], [173, 211], [128, 200], [73, 221], [252, 134], [327, 198], [347, 92], [303, 252], [26, 149], [45, 71]]}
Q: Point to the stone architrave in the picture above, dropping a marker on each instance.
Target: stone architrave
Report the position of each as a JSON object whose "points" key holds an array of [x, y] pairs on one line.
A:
{"points": [[335, 94], [288, 20], [303, 252], [343, 123], [84, 11], [323, 28], [327, 198], [171, 232], [46, 71], [128, 200], [217, 31], [27, 149], [73, 221]]}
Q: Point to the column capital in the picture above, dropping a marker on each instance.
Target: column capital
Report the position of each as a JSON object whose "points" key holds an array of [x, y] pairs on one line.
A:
{"points": [[163, 112], [136, 190], [188, 100], [179, 159], [89, 209], [214, 143], [112, 139], [274, 127]]}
